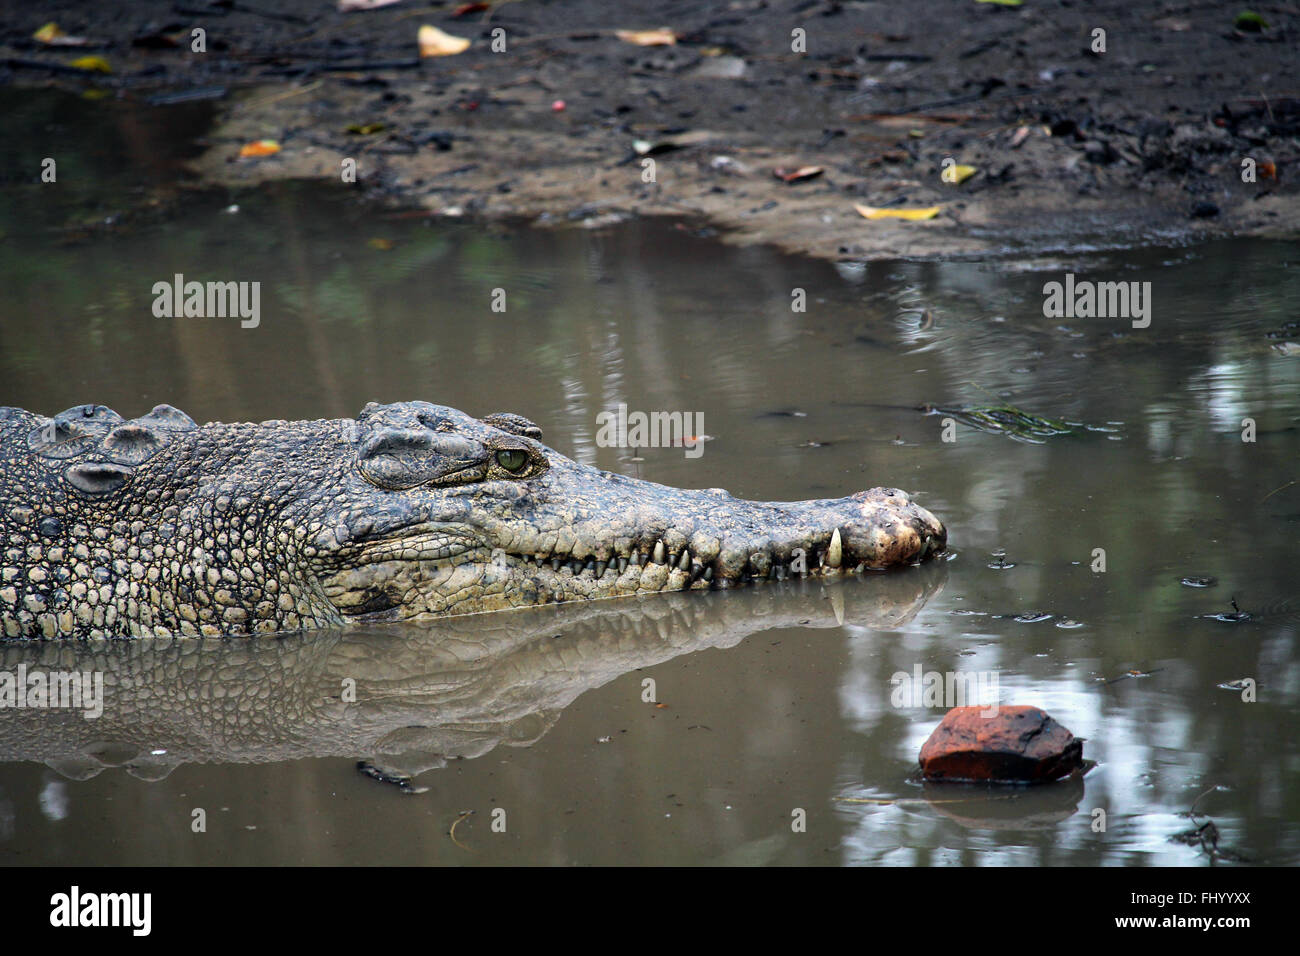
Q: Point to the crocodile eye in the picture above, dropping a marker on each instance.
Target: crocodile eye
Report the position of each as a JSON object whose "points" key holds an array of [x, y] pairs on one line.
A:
{"points": [[512, 459]]}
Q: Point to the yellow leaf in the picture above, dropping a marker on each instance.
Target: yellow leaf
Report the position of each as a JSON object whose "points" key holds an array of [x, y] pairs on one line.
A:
{"points": [[52, 35], [263, 147], [661, 37], [433, 42], [1003, 3], [911, 215], [96, 64], [48, 33], [957, 174], [381, 244]]}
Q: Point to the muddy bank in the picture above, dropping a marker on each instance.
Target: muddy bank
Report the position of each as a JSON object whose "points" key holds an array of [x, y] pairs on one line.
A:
{"points": [[1070, 145]]}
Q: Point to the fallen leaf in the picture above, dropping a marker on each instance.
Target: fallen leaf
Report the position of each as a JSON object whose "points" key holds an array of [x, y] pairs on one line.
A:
{"points": [[1268, 169], [366, 129], [797, 175], [911, 215], [661, 37], [52, 35], [1019, 137], [263, 147], [95, 64], [465, 9], [957, 174], [381, 244], [1003, 3], [347, 6], [1248, 21], [433, 42]]}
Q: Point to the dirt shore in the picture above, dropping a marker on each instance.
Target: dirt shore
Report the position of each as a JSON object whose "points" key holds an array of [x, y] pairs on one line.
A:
{"points": [[1070, 145]]}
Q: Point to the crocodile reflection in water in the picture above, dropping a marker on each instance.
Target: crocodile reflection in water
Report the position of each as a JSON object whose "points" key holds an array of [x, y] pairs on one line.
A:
{"points": [[457, 687]]}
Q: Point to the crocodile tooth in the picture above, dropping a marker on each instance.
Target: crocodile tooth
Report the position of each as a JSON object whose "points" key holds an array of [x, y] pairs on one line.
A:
{"points": [[635, 560], [835, 553], [708, 573], [672, 558], [540, 559], [589, 565], [575, 566], [659, 553], [600, 568], [622, 564], [685, 562], [697, 571], [555, 564]]}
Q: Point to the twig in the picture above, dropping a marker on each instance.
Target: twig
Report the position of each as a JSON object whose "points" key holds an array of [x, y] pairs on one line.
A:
{"points": [[452, 832], [1276, 490]]}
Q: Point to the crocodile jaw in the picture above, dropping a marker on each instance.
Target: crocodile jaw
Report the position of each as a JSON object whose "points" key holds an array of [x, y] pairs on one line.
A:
{"points": [[595, 535]]}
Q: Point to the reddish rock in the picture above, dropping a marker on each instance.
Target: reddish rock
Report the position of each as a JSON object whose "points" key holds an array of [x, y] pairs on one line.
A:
{"points": [[1016, 744]]}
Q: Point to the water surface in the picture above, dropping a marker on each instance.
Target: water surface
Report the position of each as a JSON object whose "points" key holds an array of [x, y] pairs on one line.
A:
{"points": [[767, 705]]}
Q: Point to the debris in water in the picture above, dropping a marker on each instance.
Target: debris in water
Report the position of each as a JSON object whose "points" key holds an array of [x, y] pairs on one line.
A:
{"points": [[1235, 616], [1011, 421], [402, 780], [1006, 744]]}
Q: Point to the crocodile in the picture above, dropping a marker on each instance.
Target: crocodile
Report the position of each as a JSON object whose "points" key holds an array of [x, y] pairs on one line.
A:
{"points": [[160, 527]]}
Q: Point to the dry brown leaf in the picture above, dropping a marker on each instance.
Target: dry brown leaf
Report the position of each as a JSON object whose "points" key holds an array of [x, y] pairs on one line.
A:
{"points": [[797, 175]]}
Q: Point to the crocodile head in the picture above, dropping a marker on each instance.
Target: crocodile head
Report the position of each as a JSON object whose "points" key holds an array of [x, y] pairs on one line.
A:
{"points": [[448, 514], [158, 526]]}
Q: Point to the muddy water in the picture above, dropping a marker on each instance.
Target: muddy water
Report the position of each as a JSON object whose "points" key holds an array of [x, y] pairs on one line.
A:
{"points": [[767, 708]]}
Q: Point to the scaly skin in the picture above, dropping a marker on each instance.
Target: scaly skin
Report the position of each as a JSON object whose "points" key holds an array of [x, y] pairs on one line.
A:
{"points": [[160, 527]]}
